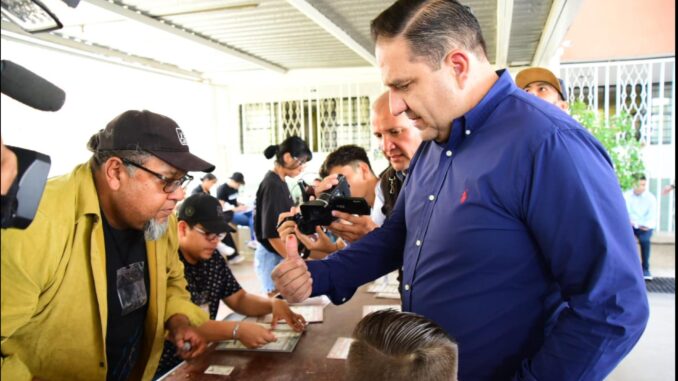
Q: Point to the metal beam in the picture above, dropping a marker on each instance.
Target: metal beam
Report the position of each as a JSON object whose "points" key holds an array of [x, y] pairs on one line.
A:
{"points": [[560, 18], [333, 29], [103, 53], [504, 20], [166, 26]]}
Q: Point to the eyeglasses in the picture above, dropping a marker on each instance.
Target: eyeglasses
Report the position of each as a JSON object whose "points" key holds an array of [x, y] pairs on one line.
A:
{"points": [[170, 185], [210, 236]]}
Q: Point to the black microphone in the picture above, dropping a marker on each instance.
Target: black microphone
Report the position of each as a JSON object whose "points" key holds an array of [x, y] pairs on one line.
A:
{"points": [[29, 88]]}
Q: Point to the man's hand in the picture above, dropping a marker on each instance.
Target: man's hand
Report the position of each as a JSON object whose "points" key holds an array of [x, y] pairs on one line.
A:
{"points": [[356, 228], [291, 276], [282, 311], [252, 335], [287, 227], [326, 184], [190, 344], [9, 170], [318, 242]]}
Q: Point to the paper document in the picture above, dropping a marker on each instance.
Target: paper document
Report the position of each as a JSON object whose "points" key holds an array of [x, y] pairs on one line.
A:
{"points": [[221, 370], [340, 348], [387, 295], [390, 288], [372, 308], [287, 341], [312, 314]]}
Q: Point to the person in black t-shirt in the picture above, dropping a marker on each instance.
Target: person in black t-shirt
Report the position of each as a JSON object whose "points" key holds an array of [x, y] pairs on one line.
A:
{"points": [[206, 183], [201, 226], [227, 193], [273, 198]]}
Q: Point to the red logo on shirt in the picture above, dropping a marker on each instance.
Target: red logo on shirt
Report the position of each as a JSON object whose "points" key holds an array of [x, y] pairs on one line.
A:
{"points": [[464, 196]]}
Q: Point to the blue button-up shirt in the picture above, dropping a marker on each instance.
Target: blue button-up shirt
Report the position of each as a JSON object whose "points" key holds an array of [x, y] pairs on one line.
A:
{"points": [[514, 237]]}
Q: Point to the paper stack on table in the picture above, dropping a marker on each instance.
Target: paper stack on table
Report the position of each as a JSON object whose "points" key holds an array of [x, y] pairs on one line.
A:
{"points": [[372, 308], [311, 313], [340, 348], [287, 341]]}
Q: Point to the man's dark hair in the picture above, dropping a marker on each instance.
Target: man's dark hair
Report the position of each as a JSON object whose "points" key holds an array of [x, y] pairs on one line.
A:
{"points": [[349, 154], [639, 177], [432, 28], [401, 346], [99, 156]]}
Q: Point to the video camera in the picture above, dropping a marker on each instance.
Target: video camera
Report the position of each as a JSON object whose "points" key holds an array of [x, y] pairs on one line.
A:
{"points": [[19, 205], [318, 212]]}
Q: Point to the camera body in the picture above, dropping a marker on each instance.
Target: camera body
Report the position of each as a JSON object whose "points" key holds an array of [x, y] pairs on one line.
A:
{"points": [[318, 212]]}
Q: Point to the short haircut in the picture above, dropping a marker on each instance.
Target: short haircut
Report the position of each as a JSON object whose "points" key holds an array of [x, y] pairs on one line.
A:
{"points": [[639, 177], [432, 28], [401, 346], [349, 154], [208, 176], [100, 156]]}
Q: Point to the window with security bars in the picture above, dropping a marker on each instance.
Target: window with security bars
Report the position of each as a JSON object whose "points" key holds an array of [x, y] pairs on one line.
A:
{"points": [[325, 123]]}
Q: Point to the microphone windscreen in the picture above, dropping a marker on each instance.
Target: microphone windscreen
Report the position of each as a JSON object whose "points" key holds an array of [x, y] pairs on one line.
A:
{"points": [[29, 88]]}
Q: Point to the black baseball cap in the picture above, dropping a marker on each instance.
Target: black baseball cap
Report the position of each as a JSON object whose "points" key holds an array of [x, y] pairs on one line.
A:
{"points": [[154, 133], [238, 178], [205, 210]]}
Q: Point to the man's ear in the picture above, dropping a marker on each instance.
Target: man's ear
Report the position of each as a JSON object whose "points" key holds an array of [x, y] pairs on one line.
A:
{"points": [[364, 169], [182, 227], [563, 105], [457, 61], [114, 170]]}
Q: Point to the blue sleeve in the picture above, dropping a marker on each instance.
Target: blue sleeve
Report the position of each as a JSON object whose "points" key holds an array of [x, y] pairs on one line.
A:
{"points": [[376, 254], [575, 210]]}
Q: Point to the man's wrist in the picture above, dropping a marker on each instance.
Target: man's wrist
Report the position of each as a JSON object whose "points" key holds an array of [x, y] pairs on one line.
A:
{"points": [[235, 331]]}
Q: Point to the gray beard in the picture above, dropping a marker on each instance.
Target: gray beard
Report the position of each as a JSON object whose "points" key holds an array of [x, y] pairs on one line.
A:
{"points": [[153, 229]]}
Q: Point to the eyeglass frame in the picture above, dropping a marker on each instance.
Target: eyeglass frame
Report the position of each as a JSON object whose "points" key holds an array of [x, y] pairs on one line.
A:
{"points": [[168, 183], [208, 235]]}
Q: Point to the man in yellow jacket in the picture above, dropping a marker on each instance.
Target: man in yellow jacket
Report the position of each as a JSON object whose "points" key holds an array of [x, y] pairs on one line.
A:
{"points": [[94, 286]]}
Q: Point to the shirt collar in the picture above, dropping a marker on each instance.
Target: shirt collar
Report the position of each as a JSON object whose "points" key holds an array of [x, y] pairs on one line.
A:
{"points": [[476, 117]]}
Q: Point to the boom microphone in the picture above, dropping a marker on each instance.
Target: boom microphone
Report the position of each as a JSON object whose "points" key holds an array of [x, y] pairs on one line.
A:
{"points": [[29, 88]]}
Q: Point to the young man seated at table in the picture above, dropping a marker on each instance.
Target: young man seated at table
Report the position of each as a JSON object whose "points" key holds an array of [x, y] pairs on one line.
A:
{"points": [[201, 227], [401, 346]]}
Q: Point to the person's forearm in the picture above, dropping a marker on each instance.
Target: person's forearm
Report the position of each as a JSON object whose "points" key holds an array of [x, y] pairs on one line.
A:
{"points": [[253, 305], [278, 246], [177, 321], [213, 330]]}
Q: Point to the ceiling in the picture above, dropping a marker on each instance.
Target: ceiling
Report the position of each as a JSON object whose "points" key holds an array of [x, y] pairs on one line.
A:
{"points": [[214, 40]]}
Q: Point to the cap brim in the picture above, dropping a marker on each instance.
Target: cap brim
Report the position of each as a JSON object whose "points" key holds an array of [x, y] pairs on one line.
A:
{"points": [[185, 161], [218, 226]]}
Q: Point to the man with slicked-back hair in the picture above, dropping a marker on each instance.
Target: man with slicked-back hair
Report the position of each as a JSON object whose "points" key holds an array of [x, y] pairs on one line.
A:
{"points": [[511, 227]]}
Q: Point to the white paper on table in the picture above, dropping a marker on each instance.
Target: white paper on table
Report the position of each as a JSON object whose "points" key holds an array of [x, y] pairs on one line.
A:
{"points": [[387, 295], [222, 370], [340, 348], [369, 309], [312, 314]]}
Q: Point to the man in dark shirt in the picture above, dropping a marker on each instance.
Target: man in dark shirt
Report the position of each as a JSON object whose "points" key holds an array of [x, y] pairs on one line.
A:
{"points": [[511, 227], [201, 226]]}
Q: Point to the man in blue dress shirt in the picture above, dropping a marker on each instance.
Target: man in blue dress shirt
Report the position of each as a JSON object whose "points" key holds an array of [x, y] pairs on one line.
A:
{"points": [[511, 227]]}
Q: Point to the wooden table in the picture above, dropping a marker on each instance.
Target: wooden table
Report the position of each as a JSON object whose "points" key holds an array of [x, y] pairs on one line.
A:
{"points": [[309, 359]]}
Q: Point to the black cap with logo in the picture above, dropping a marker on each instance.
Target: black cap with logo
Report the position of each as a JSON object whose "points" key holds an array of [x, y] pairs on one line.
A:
{"points": [[154, 133], [205, 210]]}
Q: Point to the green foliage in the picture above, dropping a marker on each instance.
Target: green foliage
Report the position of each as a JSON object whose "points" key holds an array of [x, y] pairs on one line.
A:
{"points": [[619, 139]]}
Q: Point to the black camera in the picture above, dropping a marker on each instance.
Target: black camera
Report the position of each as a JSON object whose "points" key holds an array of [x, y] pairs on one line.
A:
{"points": [[318, 212]]}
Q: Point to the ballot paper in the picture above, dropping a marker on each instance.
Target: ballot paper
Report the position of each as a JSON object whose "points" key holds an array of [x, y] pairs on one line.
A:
{"points": [[390, 288], [287, 341], [321, 300], [221, 370], [311, 313], [369, 309], [387, 295], [340, 348]]}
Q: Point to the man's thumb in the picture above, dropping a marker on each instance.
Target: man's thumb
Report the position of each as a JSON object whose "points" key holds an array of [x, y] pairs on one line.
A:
{"points": [[291, 247]]}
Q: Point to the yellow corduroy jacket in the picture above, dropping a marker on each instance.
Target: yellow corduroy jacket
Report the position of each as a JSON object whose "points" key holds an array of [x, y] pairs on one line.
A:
{"points": [[54, 306]]}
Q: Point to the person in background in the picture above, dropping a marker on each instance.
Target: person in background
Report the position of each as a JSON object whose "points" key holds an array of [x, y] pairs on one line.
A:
{"points": [[201, 226], [103, 286], [668, 189], [227, 193], [273, 198], [206, 183], [511, 228], [9, 168], [400, 346], [545, 85], [642, 207]]}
